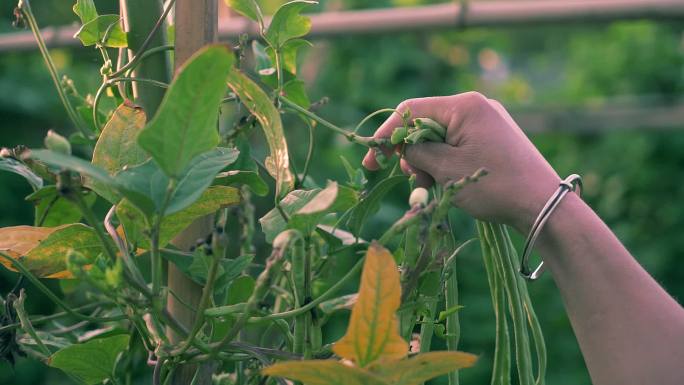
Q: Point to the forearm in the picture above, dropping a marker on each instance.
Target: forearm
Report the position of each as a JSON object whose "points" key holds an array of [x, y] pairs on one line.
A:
{"points": [[629, 329]]}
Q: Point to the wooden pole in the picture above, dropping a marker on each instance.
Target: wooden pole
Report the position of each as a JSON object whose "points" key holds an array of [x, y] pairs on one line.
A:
{"points": [[196, 26]]}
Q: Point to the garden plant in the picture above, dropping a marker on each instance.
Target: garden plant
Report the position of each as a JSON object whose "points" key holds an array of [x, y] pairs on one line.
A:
{"points": [[163, 165]]}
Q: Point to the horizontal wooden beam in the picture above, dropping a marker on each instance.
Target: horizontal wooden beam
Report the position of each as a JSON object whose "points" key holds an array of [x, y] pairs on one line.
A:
{"points": [[605, 117], [497, 13]]}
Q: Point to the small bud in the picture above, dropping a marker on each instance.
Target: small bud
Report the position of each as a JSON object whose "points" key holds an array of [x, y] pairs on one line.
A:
{"points": [[419, 196], [57, 143]]}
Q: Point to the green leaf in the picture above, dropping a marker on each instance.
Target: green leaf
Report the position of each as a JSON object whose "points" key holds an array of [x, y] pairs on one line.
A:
{"points": [[91, 362], [263, 65], [371, 203], [273, 223], [247, 8], [103, 30], [240, 290], [288, 53], [250, 179], [213, 199], [323, 372], [116, 147], [333, 198], [185, 124], [55, 210], [146, 185], [422, 367], [13, 165], [261, 106], [232, 268], [67, 162], [43, 249], [373, 331], [198, 176], [85, 10], [296, 91], [287, 23]]}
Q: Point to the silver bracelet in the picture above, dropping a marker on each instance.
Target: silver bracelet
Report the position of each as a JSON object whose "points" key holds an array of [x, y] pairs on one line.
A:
{"points": [[571, 183]]}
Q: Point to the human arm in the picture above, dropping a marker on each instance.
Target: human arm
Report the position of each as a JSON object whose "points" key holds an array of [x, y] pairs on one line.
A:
{"points": [[629, 329]]}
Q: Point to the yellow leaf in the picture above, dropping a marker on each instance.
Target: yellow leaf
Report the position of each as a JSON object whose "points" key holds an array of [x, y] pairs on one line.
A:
{"points": [[323, 372], [373, 331], [117, 148], [212, 199], [422, 367], [43, 249]]}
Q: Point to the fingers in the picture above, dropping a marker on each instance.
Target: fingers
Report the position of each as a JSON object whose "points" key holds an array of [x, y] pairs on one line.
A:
{"points": [[423, 179], [436, 159], [432, 107]]}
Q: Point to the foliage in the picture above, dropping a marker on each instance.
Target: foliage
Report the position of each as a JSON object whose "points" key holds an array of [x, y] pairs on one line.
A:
{"points": [[378, 89]]}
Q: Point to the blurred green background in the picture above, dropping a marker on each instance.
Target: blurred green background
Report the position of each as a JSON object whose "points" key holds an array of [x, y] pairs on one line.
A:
{"points": [[632, 176]]}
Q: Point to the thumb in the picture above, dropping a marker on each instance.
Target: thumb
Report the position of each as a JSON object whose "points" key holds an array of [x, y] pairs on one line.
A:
{"points": [[437, 159]]}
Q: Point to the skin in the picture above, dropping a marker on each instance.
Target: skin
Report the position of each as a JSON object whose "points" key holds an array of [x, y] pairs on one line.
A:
{"points": [[630, 330]]}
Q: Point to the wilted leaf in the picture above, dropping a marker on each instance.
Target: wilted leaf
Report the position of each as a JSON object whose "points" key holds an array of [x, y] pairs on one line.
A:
{"points": [[247, 8], [373, 331], [13, 165], [116, 147], [323, 372], [344, 302], [422, 367], [260, 105], [371, 203], [91, 362], [43, 249], [333, 198], [185, 124], [213, 199], [85, 10], [287, 23], [105, 30], [273, 223]]}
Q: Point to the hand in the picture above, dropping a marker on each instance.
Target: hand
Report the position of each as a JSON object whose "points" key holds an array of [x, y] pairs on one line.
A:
{"points": [[480, 133]]}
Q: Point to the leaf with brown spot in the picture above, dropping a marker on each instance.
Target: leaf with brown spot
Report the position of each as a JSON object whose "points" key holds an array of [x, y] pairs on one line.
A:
{"points": [[43, 250], [117, 147], [373, 332]]}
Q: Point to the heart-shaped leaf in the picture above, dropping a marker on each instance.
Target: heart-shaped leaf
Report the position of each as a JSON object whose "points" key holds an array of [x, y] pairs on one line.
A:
{"points": [[105, 30], [247, 8], [373, 331], [185, 124], [85, 10], [116, 147], [287, 23], [90, 362]]}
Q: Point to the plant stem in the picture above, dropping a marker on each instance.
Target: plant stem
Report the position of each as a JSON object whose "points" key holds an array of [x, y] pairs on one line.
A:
{"points": [[153, 82], [25, 7], [26, 322], [351, 136], [52, 296], [453, 326], [89, 216], [217, 312], [51, 317]]}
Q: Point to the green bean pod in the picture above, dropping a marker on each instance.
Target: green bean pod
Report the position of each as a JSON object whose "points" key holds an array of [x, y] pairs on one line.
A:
{"points": [[523, 355], [501, 371], [430, 124]]}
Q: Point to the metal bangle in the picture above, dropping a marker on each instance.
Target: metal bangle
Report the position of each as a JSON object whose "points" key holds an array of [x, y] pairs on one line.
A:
{"points": [[571, 183]]}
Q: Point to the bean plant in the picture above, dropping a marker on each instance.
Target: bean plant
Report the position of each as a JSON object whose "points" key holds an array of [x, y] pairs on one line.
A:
{"points": [[106, 220]]}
